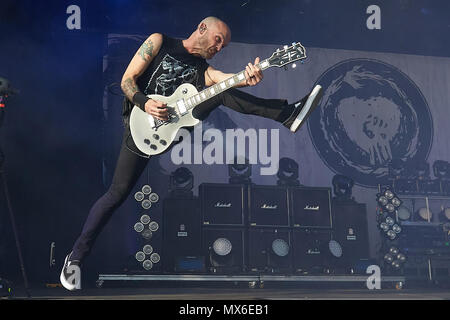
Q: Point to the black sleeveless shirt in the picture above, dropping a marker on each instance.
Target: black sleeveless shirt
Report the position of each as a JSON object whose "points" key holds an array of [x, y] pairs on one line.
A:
{"points": [[170, 68]]}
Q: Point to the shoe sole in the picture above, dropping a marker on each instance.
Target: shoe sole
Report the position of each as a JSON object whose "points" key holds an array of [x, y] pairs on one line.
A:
{"points": [[310, 105]]}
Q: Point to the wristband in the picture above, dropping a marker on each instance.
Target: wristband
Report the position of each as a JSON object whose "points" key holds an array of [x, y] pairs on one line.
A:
{"points": [[140, 99]]}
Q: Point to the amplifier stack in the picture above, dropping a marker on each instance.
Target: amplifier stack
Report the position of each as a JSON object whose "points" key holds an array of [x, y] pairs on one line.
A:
{"points": [[237, 228]]}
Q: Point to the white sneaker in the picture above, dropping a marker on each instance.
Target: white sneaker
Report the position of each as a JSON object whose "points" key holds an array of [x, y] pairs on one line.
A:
{"points": [[304, 110]]}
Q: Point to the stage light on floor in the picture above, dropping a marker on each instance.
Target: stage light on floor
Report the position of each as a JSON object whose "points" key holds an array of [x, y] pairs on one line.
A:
{"points": [[390, 221], [444, 215], [222, 247], [388, 258], [396, 228], [145, 219], [396, 264], [140, 256], [393, 251], [146, 204], [388, 200], [153, 197], [424, 214], [401, 257], [147, 265], [146, 189], [138, 227], [155, 257], [342, 188], [397, 169], [153, 226], [148, 249], [139, 196], [147, 234], [287, 172], [181, 183], [384, 226], [403, 213], [240, 171], [280, 247], [394, 259], [441, 169]]}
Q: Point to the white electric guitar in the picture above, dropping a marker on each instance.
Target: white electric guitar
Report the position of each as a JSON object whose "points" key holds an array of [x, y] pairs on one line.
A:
{"points": [[153, 136]]}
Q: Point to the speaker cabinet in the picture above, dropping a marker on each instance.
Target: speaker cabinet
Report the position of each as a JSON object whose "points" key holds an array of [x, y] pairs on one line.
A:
{"points": [[350, 231], [440, 269], [270, 250], [223, 204], [224, 250], [182, 235], [417, 267], [310, 207], [268, 206], [310, 250]]}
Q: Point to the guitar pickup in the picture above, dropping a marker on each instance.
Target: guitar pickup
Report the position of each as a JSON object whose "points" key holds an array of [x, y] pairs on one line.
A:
{"points": [[181, 107]]}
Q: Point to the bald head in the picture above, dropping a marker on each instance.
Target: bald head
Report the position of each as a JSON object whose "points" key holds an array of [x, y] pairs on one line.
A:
{"points": [[216, 23], [211, 36]]}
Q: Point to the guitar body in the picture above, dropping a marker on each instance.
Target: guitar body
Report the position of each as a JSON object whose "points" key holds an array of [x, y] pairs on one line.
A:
{"points": [[151, 139], [153, 136]]}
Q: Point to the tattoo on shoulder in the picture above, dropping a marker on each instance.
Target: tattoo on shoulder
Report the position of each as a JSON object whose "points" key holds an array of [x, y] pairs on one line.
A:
{"points": [[146, 49]]}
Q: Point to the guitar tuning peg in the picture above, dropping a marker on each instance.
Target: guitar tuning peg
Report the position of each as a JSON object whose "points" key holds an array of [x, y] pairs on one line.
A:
{"points": [[294, 65], [285, 47]]}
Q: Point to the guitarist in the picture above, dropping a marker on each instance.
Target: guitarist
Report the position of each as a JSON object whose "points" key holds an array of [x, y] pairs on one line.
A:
{"points": [[159, 66]]}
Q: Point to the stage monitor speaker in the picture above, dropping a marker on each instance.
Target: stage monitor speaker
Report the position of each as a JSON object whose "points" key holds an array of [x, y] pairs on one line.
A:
{"points": [[310, 207], [351, 231], [223, 204], [268, 206], [417, 268], [270, 250], [440, 269], [182, 235], [310, 250], [224, 250]]}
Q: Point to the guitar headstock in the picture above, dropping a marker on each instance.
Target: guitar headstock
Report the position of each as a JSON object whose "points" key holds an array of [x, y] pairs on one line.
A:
{"points": [[287, 55]]}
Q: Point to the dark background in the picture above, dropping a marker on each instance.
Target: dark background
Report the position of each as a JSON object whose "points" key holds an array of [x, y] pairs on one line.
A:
{"points": [[51, 135]]}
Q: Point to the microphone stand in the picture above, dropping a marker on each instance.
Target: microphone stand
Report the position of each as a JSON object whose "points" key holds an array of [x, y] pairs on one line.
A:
{"points": [[8, 202]]}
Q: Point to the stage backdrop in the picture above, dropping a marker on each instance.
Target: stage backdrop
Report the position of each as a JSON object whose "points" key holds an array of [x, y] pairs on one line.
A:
{"points": [[376, 107]]}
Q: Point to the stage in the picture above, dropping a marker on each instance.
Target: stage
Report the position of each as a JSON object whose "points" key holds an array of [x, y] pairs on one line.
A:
{"points": [[225, 288], [197, 293]]}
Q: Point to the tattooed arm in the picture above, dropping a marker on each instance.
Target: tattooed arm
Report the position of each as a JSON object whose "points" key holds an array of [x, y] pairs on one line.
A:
{"points": [[137, 66]]}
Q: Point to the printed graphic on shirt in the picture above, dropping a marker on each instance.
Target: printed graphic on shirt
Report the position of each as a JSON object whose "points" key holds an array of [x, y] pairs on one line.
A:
{"points": [[170, 74]]}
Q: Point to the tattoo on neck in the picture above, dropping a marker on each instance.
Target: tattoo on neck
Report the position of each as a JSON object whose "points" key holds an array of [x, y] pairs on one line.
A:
{"points": [[146, 49]]}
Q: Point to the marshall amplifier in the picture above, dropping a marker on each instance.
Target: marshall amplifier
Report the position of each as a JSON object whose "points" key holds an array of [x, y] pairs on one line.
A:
{"points": [[310, 207], [182, 237], [310, 250], [270, 250], [223, 204], [268, 206]]}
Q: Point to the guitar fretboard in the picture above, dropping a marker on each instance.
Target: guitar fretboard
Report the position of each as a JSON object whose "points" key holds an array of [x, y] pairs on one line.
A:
{"points": [[220, 87]]}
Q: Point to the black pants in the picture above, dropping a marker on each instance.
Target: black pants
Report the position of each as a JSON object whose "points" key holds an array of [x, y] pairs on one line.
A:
{"points": [[130, 166]]}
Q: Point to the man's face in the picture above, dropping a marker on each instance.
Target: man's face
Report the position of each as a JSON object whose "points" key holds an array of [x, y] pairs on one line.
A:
{"points": [[216, 37]]}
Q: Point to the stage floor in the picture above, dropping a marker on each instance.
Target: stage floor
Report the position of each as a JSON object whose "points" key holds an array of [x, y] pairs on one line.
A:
{"points": [[209, 292]]}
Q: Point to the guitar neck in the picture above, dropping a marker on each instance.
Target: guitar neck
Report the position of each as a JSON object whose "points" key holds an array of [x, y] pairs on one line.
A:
{"points": [[220, 87]]}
